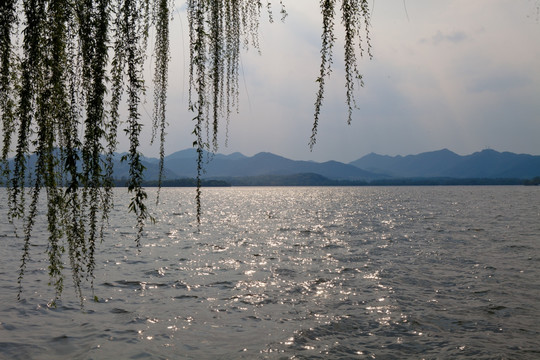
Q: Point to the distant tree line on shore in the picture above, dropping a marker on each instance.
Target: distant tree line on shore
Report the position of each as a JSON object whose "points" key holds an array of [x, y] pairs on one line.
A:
{"points": [[310, 179], [319, 180], [533, 181], [185, 182]]}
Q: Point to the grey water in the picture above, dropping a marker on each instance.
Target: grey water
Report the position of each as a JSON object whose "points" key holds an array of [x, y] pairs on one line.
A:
{"points": [[294, 273]]}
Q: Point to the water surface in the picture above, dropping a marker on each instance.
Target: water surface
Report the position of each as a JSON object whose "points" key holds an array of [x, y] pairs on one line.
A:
{"points": [[329, 273]]}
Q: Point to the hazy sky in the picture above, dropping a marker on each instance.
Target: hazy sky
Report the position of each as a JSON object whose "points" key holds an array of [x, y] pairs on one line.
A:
{"points": [[456, 74]]}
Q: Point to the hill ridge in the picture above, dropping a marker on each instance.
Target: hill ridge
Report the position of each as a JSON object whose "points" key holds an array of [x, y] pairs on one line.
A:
{"points": [[487, 163]]}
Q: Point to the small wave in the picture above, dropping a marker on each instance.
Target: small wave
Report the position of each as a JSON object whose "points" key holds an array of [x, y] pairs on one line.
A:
{"points": [[496, 309], [252, 318], [182, 297], [285, 229], [222, 284], [180, 285], [332, 246], [256, 299], [285, 272], [128, 283], [131, 284], [120, 311]]}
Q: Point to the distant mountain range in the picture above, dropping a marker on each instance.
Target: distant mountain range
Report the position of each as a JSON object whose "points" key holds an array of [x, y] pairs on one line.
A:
{"points": [[486, 164], [182, 164], [267, 168]]}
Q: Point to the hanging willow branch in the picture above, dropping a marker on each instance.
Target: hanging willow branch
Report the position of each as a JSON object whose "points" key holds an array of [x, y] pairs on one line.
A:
{"points": [[161, 14], [61, 123], [355, 19], [215, 29], [66, 68]]}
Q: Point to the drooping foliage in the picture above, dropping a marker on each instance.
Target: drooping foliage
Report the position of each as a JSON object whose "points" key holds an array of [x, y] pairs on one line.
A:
{"points": [[67, 69], [218, 30], [355, 18]]}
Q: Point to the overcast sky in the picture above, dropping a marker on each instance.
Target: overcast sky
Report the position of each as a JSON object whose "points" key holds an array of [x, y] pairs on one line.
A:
{"points": [[456, 74]]}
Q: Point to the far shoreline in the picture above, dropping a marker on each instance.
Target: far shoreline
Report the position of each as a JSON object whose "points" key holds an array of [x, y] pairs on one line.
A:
{"points": [[317, 180]]}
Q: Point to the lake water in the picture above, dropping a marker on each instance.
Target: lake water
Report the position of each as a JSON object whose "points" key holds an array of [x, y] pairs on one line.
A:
{"points": [[295, 273]]}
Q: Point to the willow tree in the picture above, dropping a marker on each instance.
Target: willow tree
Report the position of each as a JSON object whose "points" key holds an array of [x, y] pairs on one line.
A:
{"points": [[66, 68]]}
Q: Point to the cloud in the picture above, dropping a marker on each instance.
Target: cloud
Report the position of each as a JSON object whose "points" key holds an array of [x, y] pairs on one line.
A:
{"points": [[453, 37]]}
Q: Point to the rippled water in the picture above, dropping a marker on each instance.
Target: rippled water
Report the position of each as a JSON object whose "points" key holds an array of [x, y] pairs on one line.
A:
{"points": [[329, 273]]}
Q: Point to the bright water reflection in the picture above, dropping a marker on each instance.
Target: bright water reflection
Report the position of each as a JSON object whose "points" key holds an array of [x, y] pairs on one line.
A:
{"points": [[391, 273]]}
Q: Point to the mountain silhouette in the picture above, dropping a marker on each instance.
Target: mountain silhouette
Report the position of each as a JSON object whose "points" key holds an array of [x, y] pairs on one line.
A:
{"points": [[183, 164], [445, 163], [486, 164]]}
